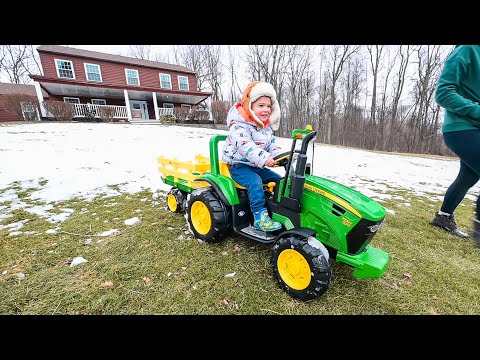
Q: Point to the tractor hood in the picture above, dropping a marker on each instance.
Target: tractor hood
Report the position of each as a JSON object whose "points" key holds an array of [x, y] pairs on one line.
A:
{"points": [[345, 197]]}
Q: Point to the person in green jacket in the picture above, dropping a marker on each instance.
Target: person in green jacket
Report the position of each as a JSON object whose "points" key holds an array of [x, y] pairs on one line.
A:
{"points": [[458, 92]]}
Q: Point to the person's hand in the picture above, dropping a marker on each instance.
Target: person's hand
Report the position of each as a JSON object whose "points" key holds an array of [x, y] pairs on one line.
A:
{"points": [[270, 162]]}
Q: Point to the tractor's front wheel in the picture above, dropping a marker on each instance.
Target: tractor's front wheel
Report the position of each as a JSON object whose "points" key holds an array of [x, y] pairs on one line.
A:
{"points": [[300, 265], [207, 217], [176, 200]]}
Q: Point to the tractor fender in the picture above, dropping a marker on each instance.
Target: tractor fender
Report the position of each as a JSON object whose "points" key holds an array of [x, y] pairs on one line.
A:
{"points": [[304, 232], [223, 186], [309, 236]]}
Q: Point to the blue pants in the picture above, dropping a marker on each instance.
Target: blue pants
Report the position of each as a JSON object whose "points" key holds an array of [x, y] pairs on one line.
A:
{"points": [[466, 145], [253, 179]]}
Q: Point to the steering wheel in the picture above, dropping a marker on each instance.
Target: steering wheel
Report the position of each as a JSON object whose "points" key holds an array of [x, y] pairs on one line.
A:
{"points": [[282, 159]]}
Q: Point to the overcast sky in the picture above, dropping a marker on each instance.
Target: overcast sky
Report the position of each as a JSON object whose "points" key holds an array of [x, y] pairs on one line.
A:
{"points": [[66, 160]]}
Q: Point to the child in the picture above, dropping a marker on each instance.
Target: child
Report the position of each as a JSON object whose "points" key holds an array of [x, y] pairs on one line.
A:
{"points": [[250, 147]]}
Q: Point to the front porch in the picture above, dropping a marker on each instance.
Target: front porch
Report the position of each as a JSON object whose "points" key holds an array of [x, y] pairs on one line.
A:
{"points": [[116, 112], [130, 103]]}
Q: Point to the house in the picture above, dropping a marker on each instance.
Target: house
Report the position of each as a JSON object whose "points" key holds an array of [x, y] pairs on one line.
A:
{"points": [[24, 94], [134, 89]]}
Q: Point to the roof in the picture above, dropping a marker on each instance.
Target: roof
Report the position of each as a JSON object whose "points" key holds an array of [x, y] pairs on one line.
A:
{"points": [[8, 88], [110, 57]]}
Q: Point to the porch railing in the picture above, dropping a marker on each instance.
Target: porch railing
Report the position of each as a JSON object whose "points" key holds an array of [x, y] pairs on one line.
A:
{"points": [[120, 112], [165, 111], [91, 110]]}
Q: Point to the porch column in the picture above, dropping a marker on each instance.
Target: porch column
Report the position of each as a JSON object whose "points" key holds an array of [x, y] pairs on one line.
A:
{"points": [[155, 105], [127, 104], [38, 90]]}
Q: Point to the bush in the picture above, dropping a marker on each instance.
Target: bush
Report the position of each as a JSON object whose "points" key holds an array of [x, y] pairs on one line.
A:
{"points": [[181, 113], [59, 110], [167, 119], [13, 103], [219, 111], [199, 117], [106, 113]]}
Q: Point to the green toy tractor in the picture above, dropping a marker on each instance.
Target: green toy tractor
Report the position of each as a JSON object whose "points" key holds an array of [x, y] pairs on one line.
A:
{"points": [[322, 219]]}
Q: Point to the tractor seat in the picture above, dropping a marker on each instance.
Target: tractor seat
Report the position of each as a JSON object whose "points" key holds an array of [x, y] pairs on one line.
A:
{"points": [[225, 171]]}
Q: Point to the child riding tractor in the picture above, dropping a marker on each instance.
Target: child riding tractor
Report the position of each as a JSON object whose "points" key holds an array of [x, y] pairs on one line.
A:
{"points": [[321, 219]]}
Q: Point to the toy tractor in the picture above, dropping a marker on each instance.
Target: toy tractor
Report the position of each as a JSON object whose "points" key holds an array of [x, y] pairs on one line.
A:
{"points": [[321, 219]]}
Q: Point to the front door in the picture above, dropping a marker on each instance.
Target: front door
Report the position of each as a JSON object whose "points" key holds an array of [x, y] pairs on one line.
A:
{"points": [[139, 107]]}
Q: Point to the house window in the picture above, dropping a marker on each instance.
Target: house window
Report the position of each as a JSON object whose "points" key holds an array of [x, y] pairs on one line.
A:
{"points": [[168, 105], [183, 83], [65, 69], [99, 102], [165, 81], [92, 72], [132, 77], [186, 106], [71, 100]]}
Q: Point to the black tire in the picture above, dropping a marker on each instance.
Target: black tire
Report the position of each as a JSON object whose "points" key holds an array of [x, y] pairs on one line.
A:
{"points": [[207, 217], [176, 200], [302, 270]]}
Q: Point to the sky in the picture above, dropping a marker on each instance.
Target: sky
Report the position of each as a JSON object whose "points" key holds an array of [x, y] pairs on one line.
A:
{"points": [[66, 160]]}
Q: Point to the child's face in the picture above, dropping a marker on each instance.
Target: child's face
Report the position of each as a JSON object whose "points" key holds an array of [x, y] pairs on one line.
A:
{"points": [[262, 107]]}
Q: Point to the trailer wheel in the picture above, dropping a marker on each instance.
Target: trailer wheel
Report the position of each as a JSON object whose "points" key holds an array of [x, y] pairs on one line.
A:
{"points": [[301, 267], [207, 217], [176, 200]]}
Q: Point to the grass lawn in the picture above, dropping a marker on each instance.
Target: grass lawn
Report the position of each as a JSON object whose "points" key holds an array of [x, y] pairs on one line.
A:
{"points": [[156, 267]]}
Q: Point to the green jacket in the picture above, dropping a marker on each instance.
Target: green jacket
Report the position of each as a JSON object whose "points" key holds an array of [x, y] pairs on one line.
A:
{"points": [[458, 89]]}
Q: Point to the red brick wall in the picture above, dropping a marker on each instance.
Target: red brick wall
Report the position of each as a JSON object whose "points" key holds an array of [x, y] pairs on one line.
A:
{"points": [[114, 73]]}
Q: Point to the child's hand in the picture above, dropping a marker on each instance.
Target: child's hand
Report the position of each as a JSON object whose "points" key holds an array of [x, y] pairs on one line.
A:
{"points": [[270, 162]]}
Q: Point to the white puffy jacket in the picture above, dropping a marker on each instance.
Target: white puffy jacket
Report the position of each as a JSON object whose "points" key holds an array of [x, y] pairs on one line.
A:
{"points": [[248, 144]]}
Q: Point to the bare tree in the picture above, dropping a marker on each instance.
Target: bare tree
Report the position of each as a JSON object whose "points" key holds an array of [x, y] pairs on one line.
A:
{"points": [[375, 57], [429, 65], [402, 54], [339, 54], [267, 63], [16, 62], [140, 52], [232, 68], [192, 56], [212, 57], [300, 87], [353, 84], [35, 67]]}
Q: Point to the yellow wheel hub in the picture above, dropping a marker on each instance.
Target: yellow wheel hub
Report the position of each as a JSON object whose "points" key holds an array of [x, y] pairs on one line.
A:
{"points": [[294, 269], [172, 203], [201, 220]]}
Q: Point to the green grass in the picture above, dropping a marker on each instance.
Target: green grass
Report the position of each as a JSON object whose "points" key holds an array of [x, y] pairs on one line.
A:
{"points": [[156, 268]]}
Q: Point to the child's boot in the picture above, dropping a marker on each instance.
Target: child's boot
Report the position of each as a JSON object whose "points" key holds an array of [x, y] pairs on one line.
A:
{"points": [[264, 222]]}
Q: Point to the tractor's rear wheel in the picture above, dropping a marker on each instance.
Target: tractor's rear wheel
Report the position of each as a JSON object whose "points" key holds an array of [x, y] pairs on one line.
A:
{"points": [[176, 200], [301, 267], [207, 217]]}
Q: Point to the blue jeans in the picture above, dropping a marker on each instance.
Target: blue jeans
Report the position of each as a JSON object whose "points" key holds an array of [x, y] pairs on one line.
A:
{"points": [[465, 144], [253, 179]]}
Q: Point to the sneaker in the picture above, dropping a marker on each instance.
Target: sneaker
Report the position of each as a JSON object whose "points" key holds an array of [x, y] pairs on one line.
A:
{"points": [[447, 223], [263, 222], [476, 231]]}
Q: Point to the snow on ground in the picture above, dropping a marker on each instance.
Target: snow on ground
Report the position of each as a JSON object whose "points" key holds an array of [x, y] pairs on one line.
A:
{"points": [[66, 160]]}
